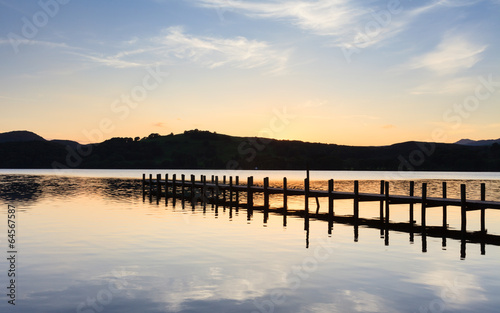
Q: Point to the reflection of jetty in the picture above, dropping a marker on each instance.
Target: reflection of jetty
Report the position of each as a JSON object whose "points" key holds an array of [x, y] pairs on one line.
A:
{"points": [[227, 192]]}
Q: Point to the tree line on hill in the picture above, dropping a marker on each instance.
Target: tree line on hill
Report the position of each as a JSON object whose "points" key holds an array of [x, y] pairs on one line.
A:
{"points": [[205, 150]]}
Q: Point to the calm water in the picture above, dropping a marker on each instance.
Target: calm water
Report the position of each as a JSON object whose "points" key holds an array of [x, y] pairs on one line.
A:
{"points": [[87, 242]]}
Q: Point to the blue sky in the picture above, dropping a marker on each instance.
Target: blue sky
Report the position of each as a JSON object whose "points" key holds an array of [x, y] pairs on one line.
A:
{"points": [[335, 71]]}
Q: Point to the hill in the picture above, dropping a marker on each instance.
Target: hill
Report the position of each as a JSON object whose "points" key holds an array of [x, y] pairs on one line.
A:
{"points": [[19, 136], [469, 142], [205, 150]]}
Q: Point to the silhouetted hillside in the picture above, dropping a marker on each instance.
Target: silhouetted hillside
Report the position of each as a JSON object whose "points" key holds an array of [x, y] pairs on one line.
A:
{"points": [[19, 136], [206, 150], [469, 142]]}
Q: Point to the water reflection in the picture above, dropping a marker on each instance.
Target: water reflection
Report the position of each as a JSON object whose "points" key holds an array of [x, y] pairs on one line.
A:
{"points": [[87, 238]]}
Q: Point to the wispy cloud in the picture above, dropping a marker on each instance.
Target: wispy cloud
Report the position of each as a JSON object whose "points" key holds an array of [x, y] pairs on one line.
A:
{"points": [[453, 54], [346, 23], [174, 45], [446, 86], [213, 52]]}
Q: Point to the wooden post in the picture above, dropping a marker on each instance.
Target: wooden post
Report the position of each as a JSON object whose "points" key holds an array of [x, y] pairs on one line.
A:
{"points": [[166, 186], [285, 196], [445, 215], [412, 219], [306, 204], [249, 192], [204, 190], [230, 191], [445, 210], [412, 193], [424, 207], [483, 211], [143, 183], [224, 190], [174, 187], [285, 200], [193, 188], [381, 213], [150, 185], [266, 192], [356, 200], [183, 181], [217, 191], [331, 211], [463, 195], [158, 186], [386, 189], [237, 196]]}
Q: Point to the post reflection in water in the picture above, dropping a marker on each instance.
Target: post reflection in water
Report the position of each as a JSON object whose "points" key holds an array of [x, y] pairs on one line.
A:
{"points": [[330, 219]]}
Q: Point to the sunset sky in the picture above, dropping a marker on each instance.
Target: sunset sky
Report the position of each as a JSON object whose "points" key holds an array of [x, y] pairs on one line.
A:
{"points": [[333, 71]]}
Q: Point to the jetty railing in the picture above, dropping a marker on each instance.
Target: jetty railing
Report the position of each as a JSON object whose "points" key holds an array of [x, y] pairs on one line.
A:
{"points": [[210, 192]]}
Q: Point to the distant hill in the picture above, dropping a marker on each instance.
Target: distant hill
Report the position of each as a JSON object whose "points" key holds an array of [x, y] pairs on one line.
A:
{"points": [[19, 136], [205, 150], [469, 142], [72, 144]]}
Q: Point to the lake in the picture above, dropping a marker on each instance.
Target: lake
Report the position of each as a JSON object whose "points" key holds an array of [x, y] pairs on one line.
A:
{"points": [[88, 241]]}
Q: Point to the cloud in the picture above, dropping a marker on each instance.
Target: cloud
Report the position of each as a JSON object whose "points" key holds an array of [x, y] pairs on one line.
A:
{"points": [[159, 124], [213, 52], [345, 22], [453, 54], [174, 45], [388, 126], [447, 86]]}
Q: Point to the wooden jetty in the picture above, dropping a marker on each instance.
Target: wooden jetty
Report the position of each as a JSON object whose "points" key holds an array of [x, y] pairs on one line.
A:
{"points": [[227, 191]]}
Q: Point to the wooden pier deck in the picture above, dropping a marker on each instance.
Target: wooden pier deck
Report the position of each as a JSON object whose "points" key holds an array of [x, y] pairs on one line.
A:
{"points": [[211, 191]]}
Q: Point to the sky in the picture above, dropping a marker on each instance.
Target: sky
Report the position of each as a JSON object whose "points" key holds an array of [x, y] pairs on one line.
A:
{"points": [[332, 71]]}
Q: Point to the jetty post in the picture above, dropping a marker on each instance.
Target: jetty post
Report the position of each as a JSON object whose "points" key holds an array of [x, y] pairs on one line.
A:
{"points": [[331, 211], [463, 198]]}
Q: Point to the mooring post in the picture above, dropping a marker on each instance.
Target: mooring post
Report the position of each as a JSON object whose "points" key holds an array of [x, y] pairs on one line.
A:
{"points": [[143, 183], [166, 186], [183, 181], [381, 213], [249, 193], [224, 190], [356, 200], [230, 191], [445, 215], [266, 192], [386, 189], [412, 194], [306, 195], [204, 190], [331, 211], [193, 188], [237, 196], [285, 190], [217, 191], [483, 211], [285, 200], [445, 208], [424, 207], [150, 185], [463, 195], [158, 186], [306, 203], [174, 187]]}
